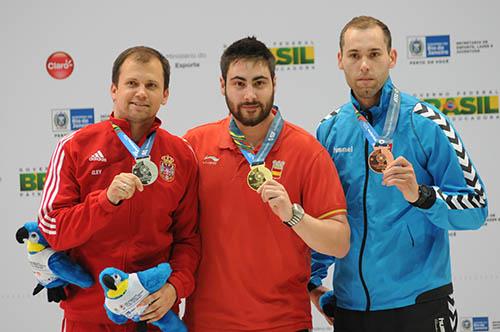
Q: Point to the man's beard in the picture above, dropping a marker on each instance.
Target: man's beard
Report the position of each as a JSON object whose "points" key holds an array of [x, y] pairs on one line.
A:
{"points": [[265, 109]]}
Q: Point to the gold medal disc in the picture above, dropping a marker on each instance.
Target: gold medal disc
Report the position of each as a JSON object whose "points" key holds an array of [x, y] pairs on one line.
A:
{"points": [[379, 159], [258, 175]]}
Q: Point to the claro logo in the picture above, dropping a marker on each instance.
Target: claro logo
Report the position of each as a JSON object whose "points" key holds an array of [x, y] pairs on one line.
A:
{"points": [[60, 65]]}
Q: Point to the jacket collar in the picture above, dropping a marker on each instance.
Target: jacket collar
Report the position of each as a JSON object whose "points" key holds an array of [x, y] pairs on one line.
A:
{"points": [[125, 126], [377, 111], [226, 141]]}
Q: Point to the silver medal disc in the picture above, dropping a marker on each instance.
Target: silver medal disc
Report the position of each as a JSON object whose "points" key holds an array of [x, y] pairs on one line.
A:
{"points": [[145, 170]]}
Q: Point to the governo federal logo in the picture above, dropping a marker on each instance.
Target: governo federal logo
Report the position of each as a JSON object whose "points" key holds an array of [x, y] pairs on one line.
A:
{"points": [[60, 65]]}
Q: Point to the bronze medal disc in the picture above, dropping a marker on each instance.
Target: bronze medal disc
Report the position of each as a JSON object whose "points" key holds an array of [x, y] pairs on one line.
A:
{"points": [[379, 159], [257, 176]]}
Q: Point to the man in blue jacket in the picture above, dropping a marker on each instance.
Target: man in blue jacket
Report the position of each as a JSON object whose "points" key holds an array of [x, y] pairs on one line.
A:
{"points": [[408, 180]]}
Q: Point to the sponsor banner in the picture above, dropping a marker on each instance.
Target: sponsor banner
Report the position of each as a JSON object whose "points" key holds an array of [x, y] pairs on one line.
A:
{"points": [[465, 324], [186, 60], [70, 119], [471, 105], [474, 324], [293, 55], [426, 50], [480, 324], [473, 46], [59, 65], [31, 181]]}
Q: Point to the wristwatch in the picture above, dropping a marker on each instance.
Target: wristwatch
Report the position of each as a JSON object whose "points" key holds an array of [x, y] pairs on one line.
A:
{"points": [[297, 215], [426, 197]]}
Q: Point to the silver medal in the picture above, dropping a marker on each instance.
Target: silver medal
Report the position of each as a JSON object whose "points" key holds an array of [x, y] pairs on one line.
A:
{"points": [[145, 170]]}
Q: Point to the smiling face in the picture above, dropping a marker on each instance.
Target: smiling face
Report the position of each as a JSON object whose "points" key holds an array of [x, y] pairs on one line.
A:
{"points": [[249, 91], [140, 91], [366, 61]]}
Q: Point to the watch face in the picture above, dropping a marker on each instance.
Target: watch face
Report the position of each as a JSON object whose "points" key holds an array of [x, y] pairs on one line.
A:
{"points": [[298, 210], [426, 191]]}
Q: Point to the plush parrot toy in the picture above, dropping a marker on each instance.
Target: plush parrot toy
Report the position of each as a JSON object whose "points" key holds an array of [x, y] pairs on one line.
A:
{"points": [[53, 270], [326, 302], [123, 292]]}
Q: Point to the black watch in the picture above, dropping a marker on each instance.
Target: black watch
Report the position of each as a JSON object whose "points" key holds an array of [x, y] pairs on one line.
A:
{"points": [[426, 197]]}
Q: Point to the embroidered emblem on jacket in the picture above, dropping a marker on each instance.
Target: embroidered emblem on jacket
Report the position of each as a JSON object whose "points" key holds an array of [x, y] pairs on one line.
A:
{"points": [[167, 168], [277, 169], [98, 156], [210, 160]]}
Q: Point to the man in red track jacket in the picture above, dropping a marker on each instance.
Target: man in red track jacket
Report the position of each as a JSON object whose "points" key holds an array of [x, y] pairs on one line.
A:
{"points": [[123, 193]]}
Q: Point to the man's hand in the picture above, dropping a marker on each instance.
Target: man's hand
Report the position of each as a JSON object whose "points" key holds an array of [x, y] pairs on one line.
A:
{"points": [[314, 295], [159, 303], [400, 173], [275, 194], [123, 187]]}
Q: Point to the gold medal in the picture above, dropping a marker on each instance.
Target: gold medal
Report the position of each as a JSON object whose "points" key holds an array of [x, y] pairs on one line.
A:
{"points": [[380, 158], [258, 175]]}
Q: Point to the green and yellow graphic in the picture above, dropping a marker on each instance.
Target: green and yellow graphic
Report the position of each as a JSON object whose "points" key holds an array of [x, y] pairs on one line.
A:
{"points": [[297, 55], [472, 105], [32, 181]]}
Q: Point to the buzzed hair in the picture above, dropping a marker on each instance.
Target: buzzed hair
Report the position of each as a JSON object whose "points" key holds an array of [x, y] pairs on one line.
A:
{"points": [[365, 22]]}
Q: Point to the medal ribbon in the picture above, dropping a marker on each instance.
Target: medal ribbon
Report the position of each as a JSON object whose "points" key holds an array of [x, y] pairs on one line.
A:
{"points": [[135, 151], [391, 121], [267, 145]]}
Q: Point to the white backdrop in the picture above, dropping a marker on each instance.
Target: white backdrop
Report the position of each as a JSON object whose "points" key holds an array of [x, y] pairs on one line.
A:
{"points": [[193, 35]]}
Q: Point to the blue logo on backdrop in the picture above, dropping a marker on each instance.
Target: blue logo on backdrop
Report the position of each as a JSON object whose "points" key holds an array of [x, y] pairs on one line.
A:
{"points": [[66, 120], [81, 117], [437, 46], [427, 50], [480, 324]]}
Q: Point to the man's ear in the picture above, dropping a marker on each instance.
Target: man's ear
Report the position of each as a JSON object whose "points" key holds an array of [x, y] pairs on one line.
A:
{"points": [[222, 86], [166, 93], [113, 89], [393, 55]]}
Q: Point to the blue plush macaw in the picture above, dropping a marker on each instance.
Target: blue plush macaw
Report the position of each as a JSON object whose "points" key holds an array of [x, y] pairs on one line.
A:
{"points": [[327, 303], [53, 270], [124, 292]]}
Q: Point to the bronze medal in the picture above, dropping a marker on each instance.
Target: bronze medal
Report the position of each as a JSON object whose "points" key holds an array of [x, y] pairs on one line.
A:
{"points": [[258, 175], [145, 170], [380, 158]]}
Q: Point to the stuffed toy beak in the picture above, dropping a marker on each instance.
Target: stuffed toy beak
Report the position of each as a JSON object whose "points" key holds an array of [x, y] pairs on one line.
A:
{"points": [[116, 290], [109, 282], [22, 234], [35, 247]]}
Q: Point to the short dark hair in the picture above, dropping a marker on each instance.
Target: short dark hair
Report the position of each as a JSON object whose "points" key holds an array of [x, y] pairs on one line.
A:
{"points": [[365, 22], [248, 48], [141, 54]]}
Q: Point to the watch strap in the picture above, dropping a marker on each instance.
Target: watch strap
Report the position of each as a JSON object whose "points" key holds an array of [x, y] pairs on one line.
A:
{"points": [[426, 197]]}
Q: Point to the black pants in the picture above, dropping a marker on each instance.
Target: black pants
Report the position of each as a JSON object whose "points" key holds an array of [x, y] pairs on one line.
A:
{"points": [[433, 316]]}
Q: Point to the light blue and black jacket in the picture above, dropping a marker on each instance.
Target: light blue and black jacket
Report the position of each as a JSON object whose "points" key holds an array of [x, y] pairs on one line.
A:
{"points": [[399, 253]]}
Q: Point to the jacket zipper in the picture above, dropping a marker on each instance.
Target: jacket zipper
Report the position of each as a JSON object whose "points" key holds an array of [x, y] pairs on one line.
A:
{"points": [[365, 220]]}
